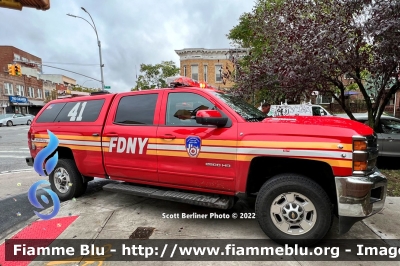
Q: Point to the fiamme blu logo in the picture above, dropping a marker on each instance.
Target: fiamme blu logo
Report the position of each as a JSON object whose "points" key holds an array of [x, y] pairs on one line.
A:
{"points": [[42, 161]]}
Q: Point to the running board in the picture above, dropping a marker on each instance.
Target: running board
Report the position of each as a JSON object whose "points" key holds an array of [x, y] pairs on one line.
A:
{"points": [[211, 201]]}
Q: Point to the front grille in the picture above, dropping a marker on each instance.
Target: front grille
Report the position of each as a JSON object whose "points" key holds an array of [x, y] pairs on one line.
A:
{"points": [[373, 151], [372, 141]]}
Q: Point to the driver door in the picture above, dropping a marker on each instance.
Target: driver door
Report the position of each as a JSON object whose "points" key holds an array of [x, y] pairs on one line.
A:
{"points": [[190, 154]]}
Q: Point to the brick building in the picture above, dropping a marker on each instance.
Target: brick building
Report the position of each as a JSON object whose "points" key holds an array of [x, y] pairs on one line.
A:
{"points": [[207, 65], [20, 94]]}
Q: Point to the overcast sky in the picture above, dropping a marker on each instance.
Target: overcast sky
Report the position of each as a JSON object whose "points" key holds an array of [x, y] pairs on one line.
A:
{"points": [[131, 32]]}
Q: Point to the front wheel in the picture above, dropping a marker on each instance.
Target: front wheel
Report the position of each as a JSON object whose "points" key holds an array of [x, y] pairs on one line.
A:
{"points": [[292, 209], [9, 123], [66, 181]]}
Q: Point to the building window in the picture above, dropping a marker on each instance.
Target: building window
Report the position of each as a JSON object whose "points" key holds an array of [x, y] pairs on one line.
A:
{"points": [[184, 71], [195, 72], [218, 73], [20, 90], [324, 99], [47, 94], [39, 94], [205, 73], [31, 92], [8, 89]]}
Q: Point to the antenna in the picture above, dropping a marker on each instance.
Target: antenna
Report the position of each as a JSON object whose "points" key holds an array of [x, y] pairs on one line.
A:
{"points": [[136, 72]]}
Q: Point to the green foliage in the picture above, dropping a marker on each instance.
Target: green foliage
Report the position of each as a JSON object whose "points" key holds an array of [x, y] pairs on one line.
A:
{"points": [[296, 47], [154, 75]]}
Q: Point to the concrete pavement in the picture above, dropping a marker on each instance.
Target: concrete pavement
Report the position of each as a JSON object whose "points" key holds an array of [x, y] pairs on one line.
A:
{"points": [[107, 215]]}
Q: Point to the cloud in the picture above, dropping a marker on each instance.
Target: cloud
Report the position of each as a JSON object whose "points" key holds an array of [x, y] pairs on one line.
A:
{"points": [[131, 32]]}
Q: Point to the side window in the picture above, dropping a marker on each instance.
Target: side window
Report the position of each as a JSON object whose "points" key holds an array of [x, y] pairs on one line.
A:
{"points": [[137, 109], [50, 113], [316, 111], [80, 111], [390, 126], [182, 108]]}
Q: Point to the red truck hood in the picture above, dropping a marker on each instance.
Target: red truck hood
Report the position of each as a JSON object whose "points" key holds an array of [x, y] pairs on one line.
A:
{"points": [[316, 126]]}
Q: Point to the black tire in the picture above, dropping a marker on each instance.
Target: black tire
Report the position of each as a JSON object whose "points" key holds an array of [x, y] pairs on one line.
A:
{"points": [[82, 191], [67, 191], [276, 193], [9, 123], [28, 122]]}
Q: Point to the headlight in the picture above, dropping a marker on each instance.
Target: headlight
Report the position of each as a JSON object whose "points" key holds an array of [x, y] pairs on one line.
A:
{"points": [[365, 154]]}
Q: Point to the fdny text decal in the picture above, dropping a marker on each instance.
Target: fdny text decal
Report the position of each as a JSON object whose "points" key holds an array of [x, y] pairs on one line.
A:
{"points": [[193, 146], [130, 145]]}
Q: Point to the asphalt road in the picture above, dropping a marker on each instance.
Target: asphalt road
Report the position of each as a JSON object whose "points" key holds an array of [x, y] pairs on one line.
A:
{"points": [[13, 148]]}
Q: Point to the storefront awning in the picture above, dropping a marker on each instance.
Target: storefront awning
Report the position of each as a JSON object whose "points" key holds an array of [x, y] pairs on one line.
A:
{"points": [[37, 103]]}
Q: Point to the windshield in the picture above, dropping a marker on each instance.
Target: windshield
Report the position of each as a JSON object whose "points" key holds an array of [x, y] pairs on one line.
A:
{"points": [[242, 108], [4, 116]]}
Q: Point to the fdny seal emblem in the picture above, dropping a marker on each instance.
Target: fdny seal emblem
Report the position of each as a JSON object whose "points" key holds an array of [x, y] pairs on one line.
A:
{"points": [[193, 146]]}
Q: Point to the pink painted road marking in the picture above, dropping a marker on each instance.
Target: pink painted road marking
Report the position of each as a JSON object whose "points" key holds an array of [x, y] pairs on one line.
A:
{"points": [[43, 230]]}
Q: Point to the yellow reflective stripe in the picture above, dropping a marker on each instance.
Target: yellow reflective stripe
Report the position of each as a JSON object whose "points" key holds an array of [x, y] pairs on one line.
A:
{"points": [[167, 141], [228, 143], [232, 143], [203, 155], [151, 152], [71, 137], [298, 145], [334, 163], [260, 144], [75, 147]]}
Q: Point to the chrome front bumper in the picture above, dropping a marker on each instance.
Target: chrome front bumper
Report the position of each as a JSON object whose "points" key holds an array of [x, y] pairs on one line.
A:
{"points": [[361, 196]]}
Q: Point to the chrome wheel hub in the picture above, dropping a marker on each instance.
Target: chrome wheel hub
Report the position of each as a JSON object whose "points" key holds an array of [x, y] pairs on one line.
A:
{"points": [[293, 213], [62, 180]]}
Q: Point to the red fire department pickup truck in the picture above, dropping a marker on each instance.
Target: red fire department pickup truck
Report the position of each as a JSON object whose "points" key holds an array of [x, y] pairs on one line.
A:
{"points": [[205, 147]]}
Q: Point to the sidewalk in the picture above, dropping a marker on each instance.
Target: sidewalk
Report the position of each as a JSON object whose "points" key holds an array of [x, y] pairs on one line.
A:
{"points": [[107, 215]]}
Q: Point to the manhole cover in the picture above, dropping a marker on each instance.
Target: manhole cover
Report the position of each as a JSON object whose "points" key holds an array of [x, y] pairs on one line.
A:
{"points": [[142, 233]]}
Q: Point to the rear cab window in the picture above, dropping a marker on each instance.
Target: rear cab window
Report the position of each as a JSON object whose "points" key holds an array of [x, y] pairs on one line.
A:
{"points": [[74, 111]]}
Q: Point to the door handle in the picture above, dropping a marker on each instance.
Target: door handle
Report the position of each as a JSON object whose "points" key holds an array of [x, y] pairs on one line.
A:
{"points": [[168, 136], [95, 134], [112, 134]]}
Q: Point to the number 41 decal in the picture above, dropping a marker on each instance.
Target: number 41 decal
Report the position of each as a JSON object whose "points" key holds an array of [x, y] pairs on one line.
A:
{"points": [[74, 112]]}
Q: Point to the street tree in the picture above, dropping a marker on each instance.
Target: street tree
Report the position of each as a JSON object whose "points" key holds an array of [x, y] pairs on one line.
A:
{"points": [[153, 76], [297, 47]]}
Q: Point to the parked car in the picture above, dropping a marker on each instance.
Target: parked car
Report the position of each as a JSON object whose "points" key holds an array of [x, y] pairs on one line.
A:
{"points": [[298, 109], [16, 119], [388, 134]]}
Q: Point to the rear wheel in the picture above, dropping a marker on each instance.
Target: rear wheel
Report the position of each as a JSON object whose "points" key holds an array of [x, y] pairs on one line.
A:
{"points": [[28, 122], [9, 123], [66, 181], [292, 209]]}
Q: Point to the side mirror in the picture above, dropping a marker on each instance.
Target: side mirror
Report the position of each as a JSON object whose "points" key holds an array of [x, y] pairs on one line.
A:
{"points": [[211, 117]]}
